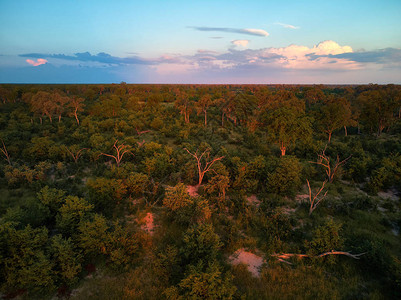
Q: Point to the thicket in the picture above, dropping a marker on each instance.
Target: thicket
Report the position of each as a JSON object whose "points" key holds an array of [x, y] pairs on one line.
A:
{"points": [[83, 164]]}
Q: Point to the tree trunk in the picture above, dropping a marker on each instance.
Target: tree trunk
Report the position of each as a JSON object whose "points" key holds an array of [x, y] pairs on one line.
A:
{"points": [[76, 117], [59, 118], [205, 118], [345, 129], [201, 174], [329, 136], [282, 148], [222, 119]]}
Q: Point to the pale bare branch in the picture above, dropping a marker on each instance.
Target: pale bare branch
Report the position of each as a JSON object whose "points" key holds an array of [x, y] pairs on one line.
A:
{"points": [[202, 170], [314, 200], [75, 155], [283, 256], [324, 161], [5, 152], [120, 152]]}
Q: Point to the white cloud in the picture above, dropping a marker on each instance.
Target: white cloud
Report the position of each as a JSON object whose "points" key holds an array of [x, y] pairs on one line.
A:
{"points": [[288, 26], [241, 43], [330, 47], [249, 31], [260, 32]]}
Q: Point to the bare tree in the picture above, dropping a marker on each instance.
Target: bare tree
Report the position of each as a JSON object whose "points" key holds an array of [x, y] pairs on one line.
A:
{"points": [[324, 161], [121, 150], [283, 256], [203, 168], [314, 200], [77, 104], [5, 152], [140, 144], [75, 154]]}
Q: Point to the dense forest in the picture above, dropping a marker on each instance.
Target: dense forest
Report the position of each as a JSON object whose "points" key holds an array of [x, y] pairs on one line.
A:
{"points": [[200, 191]]}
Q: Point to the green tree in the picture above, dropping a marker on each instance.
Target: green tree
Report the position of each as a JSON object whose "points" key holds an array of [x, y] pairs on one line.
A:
{"points": [[326, 238], [26, 264], [106, 194], [378, 109], [71, 213], [335, 113], [93, 235], [177, 197], [285, 179], [201, 243], [285, 125], [52, 198], [67, 259], [203, 284]]}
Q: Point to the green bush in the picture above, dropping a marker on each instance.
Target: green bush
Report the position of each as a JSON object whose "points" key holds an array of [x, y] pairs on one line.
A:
{"points": [[286, 177]]}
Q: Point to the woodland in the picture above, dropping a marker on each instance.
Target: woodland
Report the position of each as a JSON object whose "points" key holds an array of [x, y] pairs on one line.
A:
{"points": [[121, 191]]}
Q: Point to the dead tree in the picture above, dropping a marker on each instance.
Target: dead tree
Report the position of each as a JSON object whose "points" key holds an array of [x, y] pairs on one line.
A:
{"points": [[284, 256], [121, 150], [314, 200], [141, 132], [203, 169], [324, 161], [77, 105], [5, 152], [140, 144], [75, 154]]}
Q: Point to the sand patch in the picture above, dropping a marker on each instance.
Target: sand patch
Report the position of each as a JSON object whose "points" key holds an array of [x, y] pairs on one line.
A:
{"points": [[253, 200], [302, 198], [390, 194], [288, 211], [193, 190], [252, 261], [148, 225]]}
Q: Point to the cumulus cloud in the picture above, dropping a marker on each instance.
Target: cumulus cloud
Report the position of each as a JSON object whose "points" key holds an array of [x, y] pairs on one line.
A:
{"points": [[38, 62], [287, 26], [330, 47], [242, 43], [248, 31]]}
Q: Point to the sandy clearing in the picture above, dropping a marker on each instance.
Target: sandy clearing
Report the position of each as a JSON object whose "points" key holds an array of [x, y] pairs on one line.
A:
{"points": [[148, 225], [253, 200], [251, 260], [193, 190]]}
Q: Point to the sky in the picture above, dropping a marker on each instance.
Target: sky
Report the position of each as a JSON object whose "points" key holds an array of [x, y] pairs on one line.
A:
{"points": [[173, 41]]}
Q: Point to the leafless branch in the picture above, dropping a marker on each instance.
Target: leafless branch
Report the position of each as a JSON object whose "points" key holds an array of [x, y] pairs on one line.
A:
{"points": [[324, 161], [120, 150], [282, 257], [141, 132], [314, 200], [203, 169], [5, 152], [76, 155]]}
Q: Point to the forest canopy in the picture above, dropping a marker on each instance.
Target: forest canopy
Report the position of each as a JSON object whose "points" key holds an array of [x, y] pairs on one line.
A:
{"points": [[147, 191]]}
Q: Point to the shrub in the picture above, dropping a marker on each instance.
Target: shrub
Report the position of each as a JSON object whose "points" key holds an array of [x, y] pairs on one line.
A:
{"points": [[286, 177]]}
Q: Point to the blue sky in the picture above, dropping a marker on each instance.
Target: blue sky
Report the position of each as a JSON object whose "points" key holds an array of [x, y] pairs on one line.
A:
{"points": [[83, 41]]}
